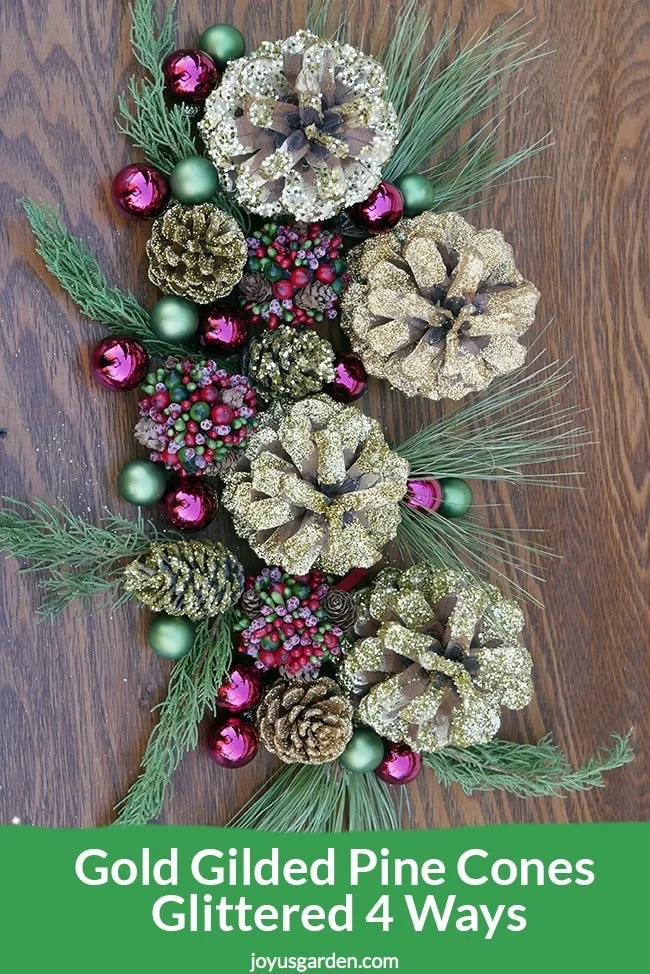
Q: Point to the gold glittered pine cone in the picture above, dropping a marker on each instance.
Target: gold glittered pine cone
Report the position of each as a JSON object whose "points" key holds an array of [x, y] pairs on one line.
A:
{"points": [[301, 126], [197, 579], [290, 363], [437, 307], [317, 487], [196, 252], [305, 722], [438, 657]]}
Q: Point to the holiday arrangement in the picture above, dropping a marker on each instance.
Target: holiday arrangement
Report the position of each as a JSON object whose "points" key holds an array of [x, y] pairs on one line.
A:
{"points": [[298, 191]]}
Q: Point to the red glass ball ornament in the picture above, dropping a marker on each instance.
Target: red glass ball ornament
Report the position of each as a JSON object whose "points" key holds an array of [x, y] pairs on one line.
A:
{"points": [[222, 330], [350, 378], [424, 495], [241, 690], [399, 765], [118, 362], [190, 76], [189, 505], [233, 742], [140, 191], [381, 211]]}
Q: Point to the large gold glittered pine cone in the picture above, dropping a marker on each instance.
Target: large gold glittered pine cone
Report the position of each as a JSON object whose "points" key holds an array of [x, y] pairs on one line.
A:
{"points": [[437, 307], [301, 126], [317, 487], [290, 363], [197, 579], [438, 657], [305, 722], [196, 252]]}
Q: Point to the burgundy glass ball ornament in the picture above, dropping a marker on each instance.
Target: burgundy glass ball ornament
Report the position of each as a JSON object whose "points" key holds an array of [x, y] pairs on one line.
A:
{"points": [[381, 211], [241, 690], [424, 495], [140, 191], [189, 505], [399, 765], [233, 742], [118, 362], [350, 378], [190, 76], [222, 330]]}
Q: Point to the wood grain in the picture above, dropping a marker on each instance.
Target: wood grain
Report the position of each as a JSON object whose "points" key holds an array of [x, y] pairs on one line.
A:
{"points": [[75, 695]]}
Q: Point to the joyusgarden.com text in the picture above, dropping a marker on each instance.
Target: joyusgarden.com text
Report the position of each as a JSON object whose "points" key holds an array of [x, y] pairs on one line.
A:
{"points": [[233, 889]]}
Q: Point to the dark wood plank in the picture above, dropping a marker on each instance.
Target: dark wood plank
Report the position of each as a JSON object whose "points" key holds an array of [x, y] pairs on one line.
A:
{"points": [[75, 695]]}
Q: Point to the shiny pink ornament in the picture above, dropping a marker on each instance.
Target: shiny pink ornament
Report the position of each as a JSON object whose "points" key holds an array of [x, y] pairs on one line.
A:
{"points": [[190, 75], [140, 191], [233, 742], [118, 362], [350, 378], [222, 330], [399, 765], [241, 690], [424, 495], [189, 505], [381, 211]]}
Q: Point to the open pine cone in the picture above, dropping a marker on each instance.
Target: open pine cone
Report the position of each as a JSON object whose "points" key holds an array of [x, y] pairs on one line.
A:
{"points": [[318, 486], [197, 252], [305, 722], [438, 658], [437, 307], [197, 579], [301, 126]]}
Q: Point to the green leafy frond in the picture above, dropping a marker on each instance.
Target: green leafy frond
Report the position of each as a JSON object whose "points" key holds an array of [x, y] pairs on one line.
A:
{"points": [[192, 690]]}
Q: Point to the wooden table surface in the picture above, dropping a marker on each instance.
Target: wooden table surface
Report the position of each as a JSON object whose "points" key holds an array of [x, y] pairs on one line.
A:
{"points": [[75, 694]]}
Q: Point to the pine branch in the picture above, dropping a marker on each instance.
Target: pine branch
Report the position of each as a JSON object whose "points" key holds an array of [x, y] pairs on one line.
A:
{"points": [[192, 689], [80, 560], [79, 273], [525, 770]]}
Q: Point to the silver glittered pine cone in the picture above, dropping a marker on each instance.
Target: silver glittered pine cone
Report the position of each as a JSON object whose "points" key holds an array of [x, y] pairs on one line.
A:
{"points": [[290, 363], [196, 252], [437, 307], [317, 487], [436, 658], [301, 126]]}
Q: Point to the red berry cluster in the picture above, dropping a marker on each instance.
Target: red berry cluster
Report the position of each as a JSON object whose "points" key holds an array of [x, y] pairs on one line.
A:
{"points": [[294, 275], [283, 626], [200, 413]]}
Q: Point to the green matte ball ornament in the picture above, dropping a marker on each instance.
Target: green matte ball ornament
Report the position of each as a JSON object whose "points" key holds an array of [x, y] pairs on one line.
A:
{"points": [[171, 637], [194, 180], [223, 43], [363, 752], [142, 482], [174, 319], [417, 192], [456, 497]]}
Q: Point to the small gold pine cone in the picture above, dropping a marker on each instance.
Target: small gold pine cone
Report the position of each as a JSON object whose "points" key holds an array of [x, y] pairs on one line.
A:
{"points": [[196, 252], [305, 722], [197, 579]]}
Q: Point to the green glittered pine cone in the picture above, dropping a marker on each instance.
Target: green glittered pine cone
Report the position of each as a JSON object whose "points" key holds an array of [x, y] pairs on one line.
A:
{"points": [[289, 363], [197, 579], [438, 657]]}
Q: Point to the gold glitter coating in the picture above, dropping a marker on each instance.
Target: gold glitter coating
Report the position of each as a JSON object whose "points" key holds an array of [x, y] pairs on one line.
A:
{"points": [[301, 126], [289, 363], [317, 487], [196, 252], [437, 307], [197, 579], [305, 722], [436, 656]]}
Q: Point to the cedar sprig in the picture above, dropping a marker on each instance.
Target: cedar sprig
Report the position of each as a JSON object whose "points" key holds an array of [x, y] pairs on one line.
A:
{"points": [[526, 770], [322, 798], [78, 272], [192, 690], [79, 560]]}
